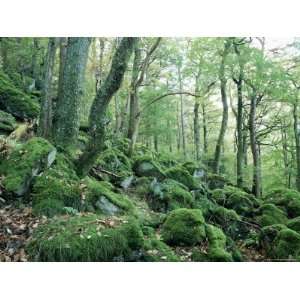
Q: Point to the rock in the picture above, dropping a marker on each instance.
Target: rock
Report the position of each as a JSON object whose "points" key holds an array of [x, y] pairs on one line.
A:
{"points": [[15, 101], [86, 238], [215, 181], [106, 206], [294, 224], [270, 214], [145, 166], [287, 199], [169, 195], [111, 202], [7, 122], [24, 163], [126, 183], [184, 227], [183, 176]]}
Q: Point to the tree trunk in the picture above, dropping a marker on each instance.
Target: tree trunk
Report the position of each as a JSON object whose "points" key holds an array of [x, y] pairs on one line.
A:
{"points": [[67, 124], [182, 125], [45, 122], [256, 184], [223, 81], [63, 42], [134, 101], [205, 142], [297, 142], [98, 119], [196, 119]]}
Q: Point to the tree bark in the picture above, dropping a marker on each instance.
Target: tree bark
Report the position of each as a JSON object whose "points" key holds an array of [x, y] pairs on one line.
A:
{"points": [[98, 119], [45, 122], [66, 127], [223, 81], [256, 184], [182, 125], [196, 120], [63, 42], [297, 142]]}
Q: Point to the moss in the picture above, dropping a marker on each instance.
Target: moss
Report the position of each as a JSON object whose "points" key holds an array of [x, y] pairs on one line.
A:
{"points": [[270, 214], [24, 163], [86, 238], [169, 195], [157, 251], [192, 167], [98, 189], [236, 199], [181, 175], [294, 224], [15, 101], [287, 199], [286, 244], [215, 181], [217, 244], [184, 227], [115, 160], [7, 122], [144, 166]]}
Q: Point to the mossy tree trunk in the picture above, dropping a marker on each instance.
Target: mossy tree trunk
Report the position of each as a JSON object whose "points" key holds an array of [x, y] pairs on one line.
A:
{"points": [[297, 142], [196, 119], [223, 82], [256, 181], [63, 42], [66, 126], [239, 119], [134, 100], [98, 119], [45, 121]]}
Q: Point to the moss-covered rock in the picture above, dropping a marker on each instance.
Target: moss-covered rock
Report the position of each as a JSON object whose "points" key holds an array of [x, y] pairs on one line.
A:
{"points": [[280, 242], [195, 169], [103, 199], [215, 181], [15, 101], [24, 163], [157, 251], [294, 224], [269, 214], [183, 176], [86, 238], [7, 122], [144, 166], [184, 227], [57, 188], [169, 195], [287, 199], [236, 199]]}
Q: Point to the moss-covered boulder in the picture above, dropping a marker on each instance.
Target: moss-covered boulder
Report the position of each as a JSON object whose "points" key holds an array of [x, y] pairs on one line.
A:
{"points": [[169, 195], [144, 166], [183, 176], [280, 242], [57, 189], [230, 222], [86, 238], [217, 244], [25, 163], [270, 214], [287, 199], [157, 251], [184, 226], [15, 101], [236, 199], [7, 122], [196, 169], [294, 224], [216, 181], [100, 195]]}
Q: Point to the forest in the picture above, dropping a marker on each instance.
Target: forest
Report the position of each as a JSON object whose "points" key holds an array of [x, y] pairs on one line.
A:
{"points": [[149, 149]]}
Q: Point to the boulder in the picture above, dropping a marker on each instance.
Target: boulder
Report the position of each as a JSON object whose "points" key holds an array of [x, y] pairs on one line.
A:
{"points": [[184, 227], [144, 166], [270, 214], [15, 101], [169, 195], [25, 163], [86, 238], [7, 122]]}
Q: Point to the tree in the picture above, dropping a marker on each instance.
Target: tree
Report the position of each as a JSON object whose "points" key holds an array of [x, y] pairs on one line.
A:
{"points": [[98, 120], [67, 114]]}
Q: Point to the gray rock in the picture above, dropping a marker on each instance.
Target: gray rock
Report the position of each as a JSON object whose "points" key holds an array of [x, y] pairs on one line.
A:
{"points": [[106, 206]]}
